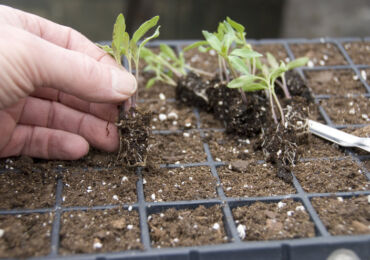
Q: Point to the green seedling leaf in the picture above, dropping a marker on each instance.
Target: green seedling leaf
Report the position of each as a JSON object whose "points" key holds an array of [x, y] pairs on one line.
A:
{"points": [[106, 48], [153, 36], [237, 26], [168, 51], [118, 34], [241, 81], [150, 83], [195, 45], [212, 40], [144, 28], [275, 73], [239, 64], [272, 61], [297, 63], [253, 87], [226, 43], [204, 49], [245, 53]]}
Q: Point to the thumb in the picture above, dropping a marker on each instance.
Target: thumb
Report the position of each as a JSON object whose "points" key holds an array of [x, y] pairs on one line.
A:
{"points": [[32, 62]]}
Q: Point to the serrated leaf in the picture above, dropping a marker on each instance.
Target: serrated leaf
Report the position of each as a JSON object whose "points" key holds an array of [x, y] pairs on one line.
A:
{"points": [[168, 51], [144, 28], [245, 53], [272, 61], [241, 81], [237, 26], [195, 45], [212, 40], [153, 36], [239, 64], [297, 63]]}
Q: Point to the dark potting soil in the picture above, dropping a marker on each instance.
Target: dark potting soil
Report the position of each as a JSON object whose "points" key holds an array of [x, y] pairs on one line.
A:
{"points": [[208, 121], [189, 183], [334, 82], [287, 219], [177, 148], [134, 129], [344, 216], [25, 235], [351, 110], [359, 52], [187, 227], [320, 54], [170, 115], [252, 179], [331, 176], [99, 187], [97, 231], [316, 147], [26, 188]]}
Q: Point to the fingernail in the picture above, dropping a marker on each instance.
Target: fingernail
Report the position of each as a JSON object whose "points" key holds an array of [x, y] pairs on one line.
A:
{"points": [[123, 82]]}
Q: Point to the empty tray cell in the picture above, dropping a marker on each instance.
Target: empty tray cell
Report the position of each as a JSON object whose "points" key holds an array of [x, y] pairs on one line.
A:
{"points": [[171, 115], [96, 231], [286, 219], [334, 82], [209, 121], [320, 54], [277, 50], [27, 188], [187, 227], [344, 216], [359, 52], [325, 176], [99, 187], [224, 147], [361, 132], [159, 90], [249, 179], [316, 147], [342, 111], [177, 148], [207, 61], [25, 235], [173, 184]]}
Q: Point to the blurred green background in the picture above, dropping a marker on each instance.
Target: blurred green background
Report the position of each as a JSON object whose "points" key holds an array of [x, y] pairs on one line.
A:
{"points": [[184, 19]]}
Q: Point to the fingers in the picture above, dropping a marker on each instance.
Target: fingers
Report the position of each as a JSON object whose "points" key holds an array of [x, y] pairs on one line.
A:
{"points": [[45, 143], [97, 132]]}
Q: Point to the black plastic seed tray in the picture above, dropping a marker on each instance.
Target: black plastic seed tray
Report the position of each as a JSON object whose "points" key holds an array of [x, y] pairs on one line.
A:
{"points": [[318, 247]]}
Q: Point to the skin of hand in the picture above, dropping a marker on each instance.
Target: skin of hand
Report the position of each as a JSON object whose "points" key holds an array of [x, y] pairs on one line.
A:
{"points": [[58, 90]]}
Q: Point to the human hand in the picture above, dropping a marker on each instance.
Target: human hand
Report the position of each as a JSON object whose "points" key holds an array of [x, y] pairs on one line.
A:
{"points": [[57, 90]]}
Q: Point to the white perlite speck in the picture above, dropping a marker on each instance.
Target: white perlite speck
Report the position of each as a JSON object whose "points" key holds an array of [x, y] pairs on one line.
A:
{"points": [[340, 199], [301, 208], [97, 245], [162, 96], [115, 197], [368, 199], [281, 204], [130, 208], [363, 74], [290, 213], [144, 181], [162, 117], [186, 134], [212, 52], [175, 240], [241, 231], [129, 227], [216, 226], [310, 64], [172, 116], [1, 233], [152, 196], [124, 178]]}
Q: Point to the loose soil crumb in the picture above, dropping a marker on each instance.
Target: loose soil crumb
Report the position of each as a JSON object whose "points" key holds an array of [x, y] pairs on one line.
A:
{"points": [[177, 148], [273, 221], [187, 227], [25, 235], [190, 183], [359, 52], [24, 189], [171, 115], [256, 181], [99, 187], [344, 216], [334, 82], [331, 176], [99, 231], [320, 54], [344, 111]]}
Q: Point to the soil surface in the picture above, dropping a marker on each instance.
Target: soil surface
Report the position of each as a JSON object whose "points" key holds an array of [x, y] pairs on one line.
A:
{"points": [[331, 176], [98, 231], [171, 115], [25, 235], [344, 216], [190, 183], [184, 147], [187, 227], [251, 179], [320, 148], [273, 221], [26, 188], [320, 54], [359, 52], [277, 50], [334, 82], [156, 91], [99, 187], [209, 121], [344, 111], [206, 61]]}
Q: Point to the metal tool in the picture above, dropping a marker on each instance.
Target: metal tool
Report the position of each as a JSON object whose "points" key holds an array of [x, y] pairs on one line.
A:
{"points": [[338, 136]]}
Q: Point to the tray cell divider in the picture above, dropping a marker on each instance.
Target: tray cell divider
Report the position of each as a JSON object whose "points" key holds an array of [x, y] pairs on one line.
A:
{"points": [[55, 232]]}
